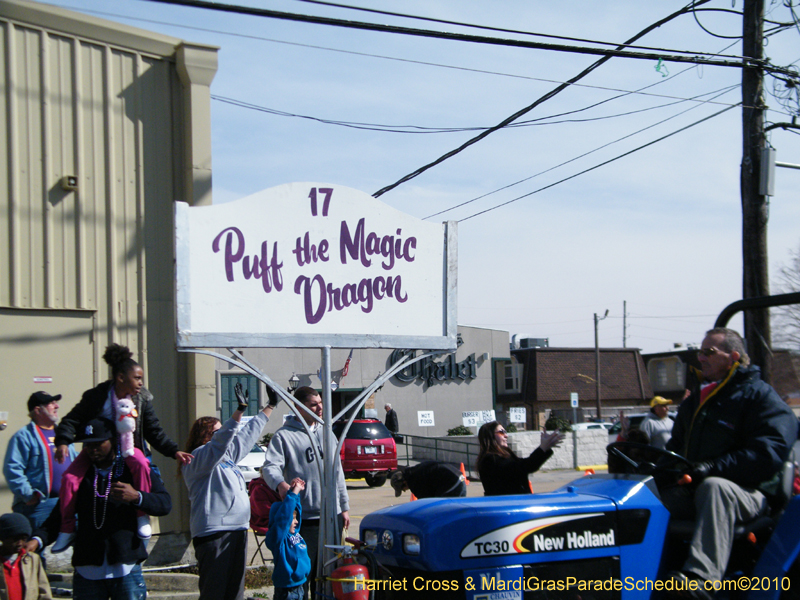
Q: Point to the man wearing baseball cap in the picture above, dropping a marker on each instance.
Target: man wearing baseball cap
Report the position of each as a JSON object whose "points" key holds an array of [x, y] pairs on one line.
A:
{"points": [[32, 474], [658, 425], [107, 553]]}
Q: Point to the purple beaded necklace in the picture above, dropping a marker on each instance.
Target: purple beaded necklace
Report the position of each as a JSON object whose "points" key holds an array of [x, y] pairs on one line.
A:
{"points": [[118, 466]]}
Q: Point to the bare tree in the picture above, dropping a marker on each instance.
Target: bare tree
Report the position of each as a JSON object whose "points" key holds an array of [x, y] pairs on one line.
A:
{"points": [[787, 318]]}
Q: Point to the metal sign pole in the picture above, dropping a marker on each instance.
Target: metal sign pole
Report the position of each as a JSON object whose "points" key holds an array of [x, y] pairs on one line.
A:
{"points": [[329, 515]]}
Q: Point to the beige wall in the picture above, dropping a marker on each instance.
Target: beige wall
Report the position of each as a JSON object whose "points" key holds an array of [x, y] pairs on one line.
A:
{"points": [[127, 113]]}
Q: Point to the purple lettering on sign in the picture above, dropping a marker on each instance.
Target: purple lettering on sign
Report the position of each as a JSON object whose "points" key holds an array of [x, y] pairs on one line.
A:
{"points": [[262, 266], [319, 297], [306, 253], [230, 256], [312, 195], [361, 246]]}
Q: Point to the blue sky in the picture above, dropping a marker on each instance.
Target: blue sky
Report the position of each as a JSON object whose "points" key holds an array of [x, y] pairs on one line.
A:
{"points": [[660, 229]]}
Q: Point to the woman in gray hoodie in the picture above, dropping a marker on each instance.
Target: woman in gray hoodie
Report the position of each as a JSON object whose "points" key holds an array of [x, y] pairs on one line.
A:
{"points": [[220, 514]]}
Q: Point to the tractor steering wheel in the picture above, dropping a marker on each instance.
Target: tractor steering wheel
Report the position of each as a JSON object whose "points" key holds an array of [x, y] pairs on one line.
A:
{"points": [[641, 459]]}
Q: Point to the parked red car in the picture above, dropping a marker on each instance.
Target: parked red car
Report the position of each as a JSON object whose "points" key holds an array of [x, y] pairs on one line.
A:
{"points": [[368, 451]]}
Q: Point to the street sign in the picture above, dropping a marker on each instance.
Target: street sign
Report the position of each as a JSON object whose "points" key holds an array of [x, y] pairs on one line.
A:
{"points": [[573, 398]]}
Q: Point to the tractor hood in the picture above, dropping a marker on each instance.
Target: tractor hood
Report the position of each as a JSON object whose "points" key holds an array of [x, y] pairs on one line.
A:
{"points": [[593, 516]]}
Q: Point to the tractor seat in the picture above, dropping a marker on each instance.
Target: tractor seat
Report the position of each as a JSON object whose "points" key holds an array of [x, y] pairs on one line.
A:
{"points": [[684, 529]]}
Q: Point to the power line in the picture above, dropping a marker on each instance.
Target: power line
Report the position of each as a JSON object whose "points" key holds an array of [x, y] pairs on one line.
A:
{"points": [[586, 153], [529, 108], [510, 185], [504, 30], [724, 37], [419, 129], [386, 57], [716, 114], [617, 52]]}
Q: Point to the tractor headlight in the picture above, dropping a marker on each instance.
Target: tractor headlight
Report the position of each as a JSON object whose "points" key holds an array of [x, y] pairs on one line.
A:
{"points": [[387, 539], [411, 544], [370, 537]]}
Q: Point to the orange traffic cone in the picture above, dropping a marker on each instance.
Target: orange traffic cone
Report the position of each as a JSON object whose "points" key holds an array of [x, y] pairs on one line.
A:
{"points": [[464, 473], [588, 472], [413, 497]]}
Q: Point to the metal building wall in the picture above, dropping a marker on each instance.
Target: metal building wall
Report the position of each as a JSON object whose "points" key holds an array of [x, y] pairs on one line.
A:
{"points": [[76, 108], [111, 106]]}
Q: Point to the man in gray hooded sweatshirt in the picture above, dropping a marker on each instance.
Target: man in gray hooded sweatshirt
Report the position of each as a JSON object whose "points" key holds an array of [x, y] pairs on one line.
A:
{"points": [[290, 454]]}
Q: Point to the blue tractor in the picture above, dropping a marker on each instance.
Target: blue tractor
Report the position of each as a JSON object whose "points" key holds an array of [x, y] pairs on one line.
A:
{"points": [[605, 536]]}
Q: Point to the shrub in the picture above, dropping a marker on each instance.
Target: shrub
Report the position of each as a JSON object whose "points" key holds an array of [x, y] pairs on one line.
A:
{"points": [[264, 441], [558, 423], [460, 430]]}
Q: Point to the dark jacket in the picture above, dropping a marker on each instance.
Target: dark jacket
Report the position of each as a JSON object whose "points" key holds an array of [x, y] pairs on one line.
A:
{"points": [[392, 424], [508, 475], [430, 479], [744, 428], [147, 424], [117, 538]]}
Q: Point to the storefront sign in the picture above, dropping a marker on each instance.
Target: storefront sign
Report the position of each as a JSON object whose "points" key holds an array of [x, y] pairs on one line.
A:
{"points": [[307, 265], [431, 371]]}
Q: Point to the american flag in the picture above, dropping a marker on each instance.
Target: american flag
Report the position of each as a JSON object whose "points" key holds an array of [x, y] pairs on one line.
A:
{"points": [[346, 367]]}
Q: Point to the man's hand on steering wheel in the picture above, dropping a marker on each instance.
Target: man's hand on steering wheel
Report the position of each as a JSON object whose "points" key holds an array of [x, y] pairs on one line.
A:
{"points": [[699, 471]]}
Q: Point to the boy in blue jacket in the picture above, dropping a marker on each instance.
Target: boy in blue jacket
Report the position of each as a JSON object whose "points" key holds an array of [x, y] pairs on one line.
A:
{"points": [[289, 552]]}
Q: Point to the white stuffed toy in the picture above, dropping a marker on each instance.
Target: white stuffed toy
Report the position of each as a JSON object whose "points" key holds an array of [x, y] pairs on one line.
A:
{"points": [[126, 425]]}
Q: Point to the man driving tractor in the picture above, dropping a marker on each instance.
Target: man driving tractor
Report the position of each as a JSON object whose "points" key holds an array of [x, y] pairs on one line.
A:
{"points": [[736, 432]]}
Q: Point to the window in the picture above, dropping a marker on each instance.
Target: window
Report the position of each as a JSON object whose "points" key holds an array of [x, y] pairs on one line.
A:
{"points": [[661, 374], [511, 379], [228, 402]]}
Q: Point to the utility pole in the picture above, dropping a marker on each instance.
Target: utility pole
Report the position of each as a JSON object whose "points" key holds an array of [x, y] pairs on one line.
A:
{"points": [[624, 323], [755, 208], [597, 361]]}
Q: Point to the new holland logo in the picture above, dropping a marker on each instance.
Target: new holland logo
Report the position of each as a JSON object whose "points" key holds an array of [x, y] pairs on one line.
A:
{"points": [[550, 534]]}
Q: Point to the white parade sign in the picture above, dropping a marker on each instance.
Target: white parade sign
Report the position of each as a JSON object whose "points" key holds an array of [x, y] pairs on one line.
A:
{"points": [[313, 264], [425, 418]]}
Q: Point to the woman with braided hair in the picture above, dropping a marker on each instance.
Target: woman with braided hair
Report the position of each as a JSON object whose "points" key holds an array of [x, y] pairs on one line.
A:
{"points": [[126, 383]]}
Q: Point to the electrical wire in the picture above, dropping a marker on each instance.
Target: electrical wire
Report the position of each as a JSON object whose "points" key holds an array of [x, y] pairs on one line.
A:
{"points": [[724, 37], [528, 108], [365, 54], [510, 185], [616, 52], [582, 155], [504, 30], [392, 58], [419, 129], [597, 166]]}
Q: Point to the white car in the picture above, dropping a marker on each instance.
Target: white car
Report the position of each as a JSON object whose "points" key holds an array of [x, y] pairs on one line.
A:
{"points": [[250, 465], [585, 426]]}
